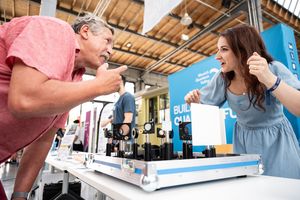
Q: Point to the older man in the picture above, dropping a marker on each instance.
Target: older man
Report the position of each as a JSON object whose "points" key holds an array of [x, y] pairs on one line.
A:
{"points": [[42, 60]]}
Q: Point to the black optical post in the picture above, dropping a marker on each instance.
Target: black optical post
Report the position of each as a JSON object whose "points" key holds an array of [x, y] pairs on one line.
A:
{"points": [[186, 137], [122, 133], [135, 134], [109, 135], [148, 129]]}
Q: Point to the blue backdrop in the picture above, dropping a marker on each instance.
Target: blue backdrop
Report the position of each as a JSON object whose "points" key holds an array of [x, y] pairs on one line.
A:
{"points": [[281, 45]]}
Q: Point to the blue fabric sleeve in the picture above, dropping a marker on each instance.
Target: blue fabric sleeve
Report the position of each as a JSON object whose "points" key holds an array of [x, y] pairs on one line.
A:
{"points": [[286, 75], [128, 103], [214, 92]]}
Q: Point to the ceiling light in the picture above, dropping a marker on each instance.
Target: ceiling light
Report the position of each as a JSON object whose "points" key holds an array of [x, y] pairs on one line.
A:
{"points": [[186, 19], [128, 44], [185, 37]]}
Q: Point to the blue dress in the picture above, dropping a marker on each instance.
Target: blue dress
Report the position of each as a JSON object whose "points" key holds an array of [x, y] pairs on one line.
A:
{"points": [[268, 133]]}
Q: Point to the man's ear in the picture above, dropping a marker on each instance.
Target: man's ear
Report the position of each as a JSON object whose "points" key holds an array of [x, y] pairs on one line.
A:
{"points": [[84, 31]]}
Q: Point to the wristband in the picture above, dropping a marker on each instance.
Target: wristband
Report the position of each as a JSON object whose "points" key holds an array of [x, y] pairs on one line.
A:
{"points": [[19, 195], [276, 84]]}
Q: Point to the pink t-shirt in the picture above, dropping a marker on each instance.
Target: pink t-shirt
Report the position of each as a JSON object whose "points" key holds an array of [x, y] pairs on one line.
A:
{"points": [[48, 45]]}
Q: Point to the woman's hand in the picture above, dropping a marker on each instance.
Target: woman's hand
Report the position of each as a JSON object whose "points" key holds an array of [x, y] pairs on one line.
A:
{"points": [[192, 97], [259, 67]]}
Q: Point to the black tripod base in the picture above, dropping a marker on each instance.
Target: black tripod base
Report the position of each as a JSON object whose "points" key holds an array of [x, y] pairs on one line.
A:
{"points": [[68, 196]]}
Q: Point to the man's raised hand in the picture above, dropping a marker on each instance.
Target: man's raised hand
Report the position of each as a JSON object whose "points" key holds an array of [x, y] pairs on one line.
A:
{"points": [[109, 80]]}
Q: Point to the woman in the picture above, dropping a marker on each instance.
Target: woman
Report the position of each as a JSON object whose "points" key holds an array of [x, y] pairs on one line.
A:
{"points": [[247, 80]]}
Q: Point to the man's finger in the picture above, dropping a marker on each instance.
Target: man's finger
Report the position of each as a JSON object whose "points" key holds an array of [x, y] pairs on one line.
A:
{"points": [[120, 69], [104, 66]]}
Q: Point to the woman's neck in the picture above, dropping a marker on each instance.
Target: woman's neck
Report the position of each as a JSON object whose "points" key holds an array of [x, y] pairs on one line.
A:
{"points": [[238, 76]]}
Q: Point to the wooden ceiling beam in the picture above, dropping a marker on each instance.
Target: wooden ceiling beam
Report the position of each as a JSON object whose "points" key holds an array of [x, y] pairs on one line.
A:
{"points": [[124, 13], [289, 16], [145, 56], [73, 4], [71, 12], [155, 39], [13, 9], [28, 8], [172, 15], [88, 4], [212, 26], [133, 67]]}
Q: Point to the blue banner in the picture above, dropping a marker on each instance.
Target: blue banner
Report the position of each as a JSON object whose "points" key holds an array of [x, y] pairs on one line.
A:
{"points": [[180, 83]]}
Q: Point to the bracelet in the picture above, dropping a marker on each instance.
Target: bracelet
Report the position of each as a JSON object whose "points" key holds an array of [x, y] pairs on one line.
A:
{"points": [[276, 84], [19, 195]]}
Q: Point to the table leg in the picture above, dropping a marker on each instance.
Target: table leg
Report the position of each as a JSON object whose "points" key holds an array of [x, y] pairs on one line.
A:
{"points": [[101, 196], [65, 185]]}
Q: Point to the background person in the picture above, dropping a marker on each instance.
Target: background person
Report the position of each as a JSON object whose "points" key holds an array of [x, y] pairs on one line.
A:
{"points": [[58, 137], [124, 110], [107, 124], [77, 144]]}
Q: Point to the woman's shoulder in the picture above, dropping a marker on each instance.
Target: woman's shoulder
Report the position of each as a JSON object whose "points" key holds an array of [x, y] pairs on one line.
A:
{"points": [[218, 77]]}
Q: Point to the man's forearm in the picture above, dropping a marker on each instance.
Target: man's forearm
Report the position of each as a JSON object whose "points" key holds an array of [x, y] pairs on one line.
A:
{"points": [[33, 94], [56, 97], [32, 160]]}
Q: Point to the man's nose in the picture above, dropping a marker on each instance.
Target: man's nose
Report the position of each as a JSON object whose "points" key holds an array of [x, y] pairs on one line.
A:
{"points": [[109, 49]]}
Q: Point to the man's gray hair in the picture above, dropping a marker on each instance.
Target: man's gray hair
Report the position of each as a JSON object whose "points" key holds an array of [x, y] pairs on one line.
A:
{"points": [[94, 22]]}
